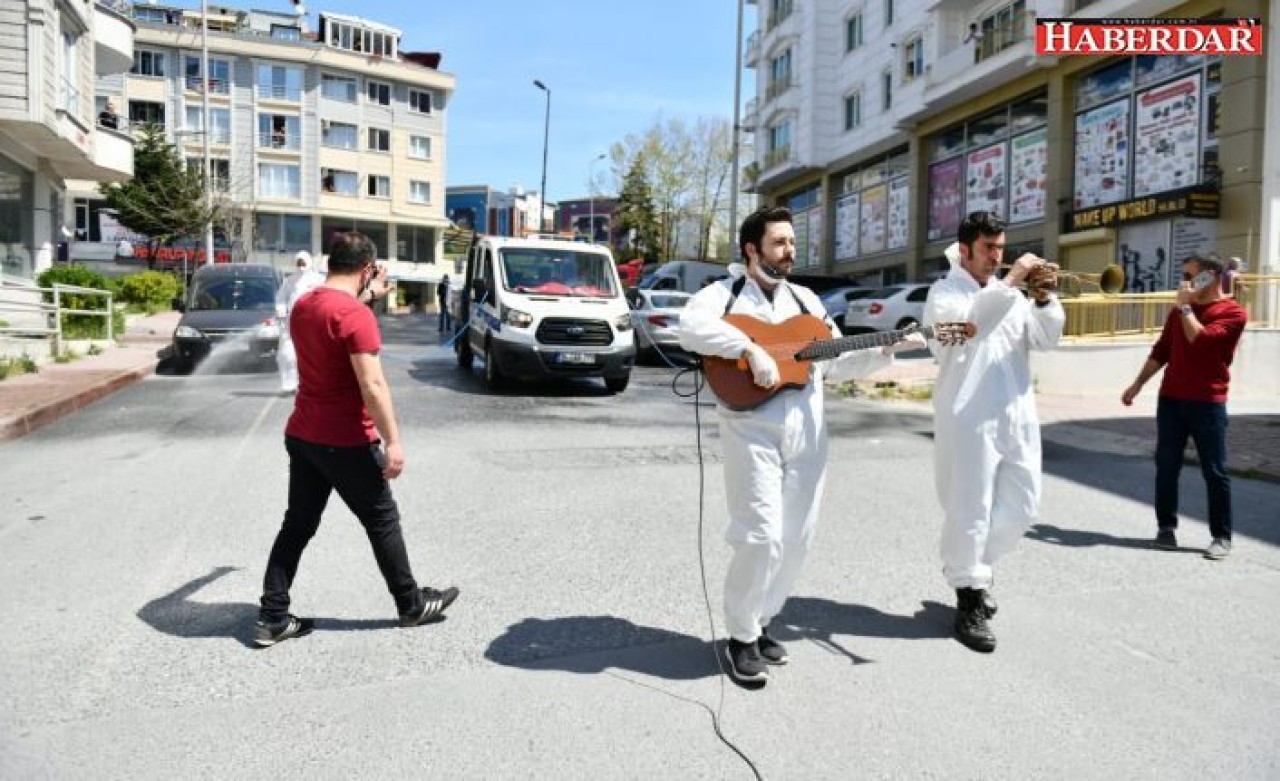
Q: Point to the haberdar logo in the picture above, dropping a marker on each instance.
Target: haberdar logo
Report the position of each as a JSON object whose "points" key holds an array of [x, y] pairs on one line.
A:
{"points": [[1107, 37]]}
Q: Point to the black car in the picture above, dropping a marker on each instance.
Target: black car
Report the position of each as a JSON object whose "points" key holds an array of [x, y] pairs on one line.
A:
{"points": [[232, 304]]}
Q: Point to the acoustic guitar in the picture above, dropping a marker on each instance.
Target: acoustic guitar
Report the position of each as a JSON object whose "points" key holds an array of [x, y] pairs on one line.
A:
{"points": [[794, 344]]}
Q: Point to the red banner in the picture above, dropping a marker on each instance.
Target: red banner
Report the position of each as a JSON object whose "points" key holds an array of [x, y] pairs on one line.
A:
{"points": [[1110, 37]]}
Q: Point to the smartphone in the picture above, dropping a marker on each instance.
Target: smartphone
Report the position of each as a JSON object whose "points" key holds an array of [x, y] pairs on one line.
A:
{"points": [[1201, 281]]}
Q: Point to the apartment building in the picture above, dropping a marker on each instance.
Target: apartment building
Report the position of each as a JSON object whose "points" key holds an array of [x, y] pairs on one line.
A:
{"points": [[883, 123], [311, 132], [478, 207], [51, 55]]}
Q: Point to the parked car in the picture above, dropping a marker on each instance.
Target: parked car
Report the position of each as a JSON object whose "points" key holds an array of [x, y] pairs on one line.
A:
{"points": [[232, 303], [887, 309], [836, 301], [656, 315]]}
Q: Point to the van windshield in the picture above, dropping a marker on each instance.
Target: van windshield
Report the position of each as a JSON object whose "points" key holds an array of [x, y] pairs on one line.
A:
{"points": [[256, 294], [554, 272]]}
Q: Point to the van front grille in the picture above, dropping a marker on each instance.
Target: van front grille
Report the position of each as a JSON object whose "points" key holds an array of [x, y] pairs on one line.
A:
{"points": [[574, 331]]}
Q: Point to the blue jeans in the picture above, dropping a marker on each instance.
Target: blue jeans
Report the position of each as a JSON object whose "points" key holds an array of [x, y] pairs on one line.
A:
{"points": [[1206, 423]]}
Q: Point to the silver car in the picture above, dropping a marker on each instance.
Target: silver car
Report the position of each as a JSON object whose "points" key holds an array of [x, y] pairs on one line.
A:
{"points": [[656, 317]]}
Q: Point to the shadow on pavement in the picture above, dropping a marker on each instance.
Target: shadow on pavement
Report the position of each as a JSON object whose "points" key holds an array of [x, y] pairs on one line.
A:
{"points": [[820, 620], [1073, 538], [177, 614], [595, 644]]}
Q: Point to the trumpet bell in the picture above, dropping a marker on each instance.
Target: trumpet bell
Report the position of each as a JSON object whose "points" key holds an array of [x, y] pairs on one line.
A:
{"points": [[1109, 282]]}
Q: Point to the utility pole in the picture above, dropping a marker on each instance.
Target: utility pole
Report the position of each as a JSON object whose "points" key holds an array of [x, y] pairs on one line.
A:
{"points": [[546, 132], [737, 132], [208, 163]]}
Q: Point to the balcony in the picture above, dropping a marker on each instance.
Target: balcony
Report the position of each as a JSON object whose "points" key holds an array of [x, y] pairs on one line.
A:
{"points": [[279, 92], [112, 37], [778, 87], [282, 141], [752, 55], [751, 115], [776, 157], [217, 86], [779, 15], [113, 151]]}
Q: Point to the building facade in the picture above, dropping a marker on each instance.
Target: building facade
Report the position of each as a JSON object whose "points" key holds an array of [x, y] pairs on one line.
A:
{"points": [[53, 53], [310, 133], [927, 111], [486, 210]]}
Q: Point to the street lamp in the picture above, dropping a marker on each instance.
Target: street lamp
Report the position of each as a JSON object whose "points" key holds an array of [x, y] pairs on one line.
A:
{"points": [[208, 165], [546, 131], [591, 184]]}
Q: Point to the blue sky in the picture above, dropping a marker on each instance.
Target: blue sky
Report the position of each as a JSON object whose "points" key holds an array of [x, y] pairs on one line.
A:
{"points": [[613, 68]]}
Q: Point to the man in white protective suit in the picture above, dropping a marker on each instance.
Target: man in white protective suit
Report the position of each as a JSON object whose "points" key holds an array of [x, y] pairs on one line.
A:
{"points": [[297, 283], [775, 455], [986, 432]]}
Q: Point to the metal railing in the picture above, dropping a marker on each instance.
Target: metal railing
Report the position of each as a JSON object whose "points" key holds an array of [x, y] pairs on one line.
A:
{"points": [[275, 140], [1133, 314], [53, 311]]}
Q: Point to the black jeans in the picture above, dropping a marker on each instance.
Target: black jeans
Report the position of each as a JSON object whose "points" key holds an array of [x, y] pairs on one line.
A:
{"points": [[356, 474], [1206, 423]]}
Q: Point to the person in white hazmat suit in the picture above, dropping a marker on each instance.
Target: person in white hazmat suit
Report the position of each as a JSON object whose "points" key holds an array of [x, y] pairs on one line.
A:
{"points": [[775, 455], [297, 283], [986, 432]]}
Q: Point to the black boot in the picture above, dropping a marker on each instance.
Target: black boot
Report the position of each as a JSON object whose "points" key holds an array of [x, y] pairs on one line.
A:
{"points": [[971, 626]]}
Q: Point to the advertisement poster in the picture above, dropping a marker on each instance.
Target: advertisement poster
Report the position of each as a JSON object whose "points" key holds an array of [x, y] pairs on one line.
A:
{"points": [[1102, 154], [1144, 257], [847, 227], [1167, 137], [815, 239], [985, 180], [898, 206], [800, 221], [874, 205], [1027, 164], [1193, 237], [944, 199]]}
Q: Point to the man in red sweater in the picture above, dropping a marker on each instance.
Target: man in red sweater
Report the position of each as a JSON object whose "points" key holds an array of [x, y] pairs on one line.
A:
{"points": [[343, 405], [1197, 345]]}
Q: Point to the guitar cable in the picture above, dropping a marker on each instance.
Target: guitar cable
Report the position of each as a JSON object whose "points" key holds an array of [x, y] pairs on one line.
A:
{"points": [[699, 380]]}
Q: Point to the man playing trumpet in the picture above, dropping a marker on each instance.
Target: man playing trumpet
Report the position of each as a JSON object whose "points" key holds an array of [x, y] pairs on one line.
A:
{"points": [[986, 432]]}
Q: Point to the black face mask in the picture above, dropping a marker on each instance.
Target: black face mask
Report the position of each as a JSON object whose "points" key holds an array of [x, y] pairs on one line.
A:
{"points": [[772, 272]]}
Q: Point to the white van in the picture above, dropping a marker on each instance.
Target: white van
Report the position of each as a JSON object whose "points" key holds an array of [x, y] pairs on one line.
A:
{"points": [[687, 275], [539, 308]]}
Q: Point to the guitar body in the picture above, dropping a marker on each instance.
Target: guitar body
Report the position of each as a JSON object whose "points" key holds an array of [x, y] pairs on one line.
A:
{"points": [[731, 379]]}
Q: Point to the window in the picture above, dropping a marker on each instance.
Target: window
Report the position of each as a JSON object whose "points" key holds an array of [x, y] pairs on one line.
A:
{"points": [[219, 172], [277, 82], [70, 90], [853, 111], [219, 75], [779, 75], [415, 244], [148, 63], [888, 12], [420, 147], [375, 43], [379, 186], [142, 112], [1003, 28], [913, 64], [853, 32], [779, 149], [219, 121], [886, 90], [339, 182], [379, 140], [419, 192], [339, 135], [420, 101], [285, 32], [338, 88], [279, 131], [379, 92], [281, 232], [279, 181]]}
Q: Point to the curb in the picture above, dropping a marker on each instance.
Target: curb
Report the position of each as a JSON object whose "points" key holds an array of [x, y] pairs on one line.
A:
{"points": [[15, 428]]}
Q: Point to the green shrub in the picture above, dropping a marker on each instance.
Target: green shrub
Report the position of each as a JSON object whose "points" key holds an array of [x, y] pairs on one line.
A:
{"points": [[81, 326], [153, 291]]}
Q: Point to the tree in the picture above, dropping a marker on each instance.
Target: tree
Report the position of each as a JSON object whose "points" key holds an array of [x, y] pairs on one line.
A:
{"points": [[634, 213], [165, 200]]}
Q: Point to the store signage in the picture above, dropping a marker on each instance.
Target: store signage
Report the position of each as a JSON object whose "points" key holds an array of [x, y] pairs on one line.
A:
{"points": [[1200, 202]]}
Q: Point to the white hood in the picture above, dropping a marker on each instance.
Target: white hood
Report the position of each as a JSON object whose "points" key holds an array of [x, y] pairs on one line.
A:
{"points": [[953, 254], [737, 270]]}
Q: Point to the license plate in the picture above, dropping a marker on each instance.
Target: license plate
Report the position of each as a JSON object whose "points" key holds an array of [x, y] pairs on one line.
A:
{"points": [[575, 358]]}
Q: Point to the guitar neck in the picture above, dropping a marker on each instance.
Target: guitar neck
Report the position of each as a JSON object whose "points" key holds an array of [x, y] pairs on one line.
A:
{"points": [[831, 348]]}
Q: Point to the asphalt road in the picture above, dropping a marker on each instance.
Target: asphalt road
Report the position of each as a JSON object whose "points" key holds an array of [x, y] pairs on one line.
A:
{"points": [[134, 535]]}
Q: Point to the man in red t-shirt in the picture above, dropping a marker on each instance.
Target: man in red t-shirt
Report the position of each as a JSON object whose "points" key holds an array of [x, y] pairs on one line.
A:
{"points": [[1197, 345], [332, 438]]}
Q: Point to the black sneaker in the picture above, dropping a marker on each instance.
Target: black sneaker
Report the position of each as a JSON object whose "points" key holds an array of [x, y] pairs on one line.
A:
{"points": [[989, 605], [434, 604], [771, 650], [971, 625], [1166, 539], [745, 664], [266, 635]]}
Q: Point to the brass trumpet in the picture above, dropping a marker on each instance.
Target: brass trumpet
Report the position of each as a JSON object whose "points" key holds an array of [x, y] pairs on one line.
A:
{"points": [[1048, 278]]}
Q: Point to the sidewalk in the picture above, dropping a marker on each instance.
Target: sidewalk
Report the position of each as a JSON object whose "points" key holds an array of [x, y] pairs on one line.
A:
{"points": [[1103, 424], [1087, 423], [59, 389]]}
